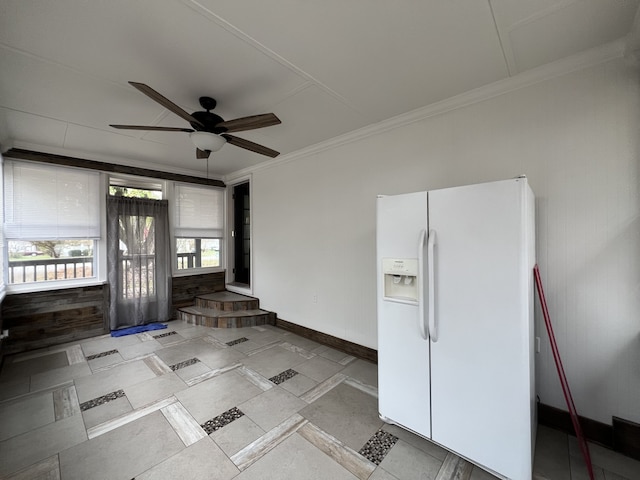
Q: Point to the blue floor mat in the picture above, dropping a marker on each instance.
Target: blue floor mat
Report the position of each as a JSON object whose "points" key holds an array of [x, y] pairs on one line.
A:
{"points": [[137, 329]]}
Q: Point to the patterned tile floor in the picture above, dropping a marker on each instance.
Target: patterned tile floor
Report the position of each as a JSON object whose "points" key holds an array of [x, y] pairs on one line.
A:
{"points": [[251, 403]]}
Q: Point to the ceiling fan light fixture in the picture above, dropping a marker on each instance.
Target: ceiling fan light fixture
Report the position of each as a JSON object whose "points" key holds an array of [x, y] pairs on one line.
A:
{"points": [[205, 123], [207, 141]]}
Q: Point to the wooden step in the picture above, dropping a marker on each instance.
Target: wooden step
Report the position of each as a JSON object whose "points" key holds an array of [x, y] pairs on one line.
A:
{"points": [[211, 317], [227, 301], [226, 310]]}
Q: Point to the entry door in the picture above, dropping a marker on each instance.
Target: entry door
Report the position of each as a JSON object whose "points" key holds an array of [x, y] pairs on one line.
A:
{"points": [[137, 261], [242, 234]]}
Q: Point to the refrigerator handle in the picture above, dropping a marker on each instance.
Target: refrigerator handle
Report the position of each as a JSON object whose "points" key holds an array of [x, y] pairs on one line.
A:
{"points": [[421, 319], [431, 242]]}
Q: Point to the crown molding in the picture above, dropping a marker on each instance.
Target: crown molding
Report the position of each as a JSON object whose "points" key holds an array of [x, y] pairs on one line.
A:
{"points": [[540, 74]]}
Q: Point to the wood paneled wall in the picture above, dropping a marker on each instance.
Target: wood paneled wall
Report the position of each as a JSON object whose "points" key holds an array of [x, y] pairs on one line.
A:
{"points": [[42, 319], [185, 289]]}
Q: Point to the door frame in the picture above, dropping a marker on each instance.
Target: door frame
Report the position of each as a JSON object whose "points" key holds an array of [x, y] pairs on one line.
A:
{"points": [[229, 239]]}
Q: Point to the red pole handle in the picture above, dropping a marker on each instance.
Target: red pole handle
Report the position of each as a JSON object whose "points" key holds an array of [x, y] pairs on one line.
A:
{"points": [[584, 447]]}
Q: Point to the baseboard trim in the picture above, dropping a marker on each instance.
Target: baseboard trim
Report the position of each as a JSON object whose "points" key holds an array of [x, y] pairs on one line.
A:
{"points": [[351, 348], [626, 437], [623, 436]]}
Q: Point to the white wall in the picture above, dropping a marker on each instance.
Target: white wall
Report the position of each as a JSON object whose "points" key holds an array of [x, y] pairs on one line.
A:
{"points": [[577, 139]]}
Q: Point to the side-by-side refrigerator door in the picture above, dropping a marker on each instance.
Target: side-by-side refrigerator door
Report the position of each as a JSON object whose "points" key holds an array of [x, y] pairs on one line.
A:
{"points": [[480, 360], [403, 346]]}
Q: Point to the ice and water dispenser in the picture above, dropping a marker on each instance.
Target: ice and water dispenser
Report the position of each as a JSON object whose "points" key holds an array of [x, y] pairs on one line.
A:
{"points": [[400, 279]]}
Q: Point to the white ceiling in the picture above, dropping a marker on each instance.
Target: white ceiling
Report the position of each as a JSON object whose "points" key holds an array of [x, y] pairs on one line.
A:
{"points": [[324, 67]]}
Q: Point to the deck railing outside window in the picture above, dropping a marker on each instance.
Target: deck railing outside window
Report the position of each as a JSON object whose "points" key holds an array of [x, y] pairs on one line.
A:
{"points": [[138, 272], [138, 276], [188, 260], [42, 270]]}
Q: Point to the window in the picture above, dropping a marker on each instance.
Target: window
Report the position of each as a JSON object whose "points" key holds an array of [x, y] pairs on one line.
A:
{"points": [[198, 226], [52, 222], [135, 187]]}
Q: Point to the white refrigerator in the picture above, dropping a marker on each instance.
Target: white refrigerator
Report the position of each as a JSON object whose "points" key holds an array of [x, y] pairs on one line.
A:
{"points": [[455, 320]]}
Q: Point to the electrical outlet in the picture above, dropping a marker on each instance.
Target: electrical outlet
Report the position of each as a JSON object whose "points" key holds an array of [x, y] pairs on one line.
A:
{"points": [[537, 344], [315, 298]]}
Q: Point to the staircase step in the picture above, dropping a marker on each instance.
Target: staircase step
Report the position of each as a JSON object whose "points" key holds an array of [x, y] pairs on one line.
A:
{"points": [[213, 317], [227, 301]]}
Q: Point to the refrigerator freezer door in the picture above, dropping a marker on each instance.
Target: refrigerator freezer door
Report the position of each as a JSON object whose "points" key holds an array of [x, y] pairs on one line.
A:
{"points": [[480, 373], [403, 355]]}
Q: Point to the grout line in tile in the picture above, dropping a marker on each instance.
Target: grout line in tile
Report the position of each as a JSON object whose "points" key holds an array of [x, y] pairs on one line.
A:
{"points": [[258, 448], [263, 348], [255, 378], [338, 451], [177, 341], [156, 365], [363, 387], [299, 350], [21, 357], [454, 468], [129, 417], [347, 360], [320, 349], [131, 360], [214, 341], [322, 388], [605, 458], [65, 402], [47, 469], [183, 423], [211, 374], [24, 396], [75, 354], [99, 337]]}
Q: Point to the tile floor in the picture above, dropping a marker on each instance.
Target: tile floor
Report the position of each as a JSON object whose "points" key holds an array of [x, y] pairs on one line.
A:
{"points": [[192, 402]]}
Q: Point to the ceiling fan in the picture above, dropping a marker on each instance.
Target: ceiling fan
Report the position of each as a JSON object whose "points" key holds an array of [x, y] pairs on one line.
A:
{"points": [[210, 132]]}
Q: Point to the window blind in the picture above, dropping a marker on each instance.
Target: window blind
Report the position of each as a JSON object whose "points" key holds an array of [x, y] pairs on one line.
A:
{"points": [[48, 202], [199, 212]]}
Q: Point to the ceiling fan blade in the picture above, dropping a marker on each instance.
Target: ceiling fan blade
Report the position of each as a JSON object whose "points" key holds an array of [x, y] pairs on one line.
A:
{"points": [[247, 145], [165, 102], [202, 153], [143, 127], [250, 123]]}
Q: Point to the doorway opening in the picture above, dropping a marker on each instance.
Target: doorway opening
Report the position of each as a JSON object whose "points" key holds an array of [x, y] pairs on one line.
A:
{"points": [[241, 235]]}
